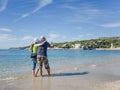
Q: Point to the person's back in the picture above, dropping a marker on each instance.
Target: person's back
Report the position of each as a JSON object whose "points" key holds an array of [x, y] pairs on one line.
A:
{"points": [[42, 50], [42, 56], [35, 49]]}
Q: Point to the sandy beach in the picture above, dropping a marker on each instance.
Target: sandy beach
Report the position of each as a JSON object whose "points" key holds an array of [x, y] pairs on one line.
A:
{"points": [[77, 41], [105, 77]]}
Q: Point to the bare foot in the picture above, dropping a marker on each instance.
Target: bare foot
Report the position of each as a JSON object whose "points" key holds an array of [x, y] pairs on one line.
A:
{"points": [[34, 76], [41, 75]]}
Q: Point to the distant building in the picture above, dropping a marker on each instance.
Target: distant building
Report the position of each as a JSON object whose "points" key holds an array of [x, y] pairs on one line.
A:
{"points": [[112, 45], [64, 45], [77, 46]]}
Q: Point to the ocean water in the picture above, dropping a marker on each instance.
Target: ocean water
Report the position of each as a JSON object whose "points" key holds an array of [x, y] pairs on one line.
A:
{"points": [[15, 63]]}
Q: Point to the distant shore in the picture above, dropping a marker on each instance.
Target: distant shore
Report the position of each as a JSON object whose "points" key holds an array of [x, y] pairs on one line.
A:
{"points": [[82, 49], [107, 48], [72, 48]]}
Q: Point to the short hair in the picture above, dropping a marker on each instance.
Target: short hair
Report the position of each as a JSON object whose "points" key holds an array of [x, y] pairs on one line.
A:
{"points": [[42, 37]]}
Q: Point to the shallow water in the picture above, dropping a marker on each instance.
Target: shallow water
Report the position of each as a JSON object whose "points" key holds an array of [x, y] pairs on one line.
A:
{"points": [[15, 63]]}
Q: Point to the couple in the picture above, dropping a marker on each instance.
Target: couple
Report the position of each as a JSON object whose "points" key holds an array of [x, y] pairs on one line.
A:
{"points": [[39, 55]]}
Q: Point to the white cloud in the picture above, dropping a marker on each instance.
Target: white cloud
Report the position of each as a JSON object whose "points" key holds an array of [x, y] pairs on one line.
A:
{"points": [[111, 25], [84, 15], [84, 9], [6, 37], [5, 30], [83, 12], [85, 35], [79, 28], [26, 38], [92, 11], [41, 4], [82, 36], [79, 18], [63, 37], [70, 0], [3, 5], [69, 7], [53, 36], [3, 36]]}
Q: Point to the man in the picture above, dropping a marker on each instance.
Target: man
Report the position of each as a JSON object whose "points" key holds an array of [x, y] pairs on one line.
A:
{"points": [[34, 50], [42, 55]]}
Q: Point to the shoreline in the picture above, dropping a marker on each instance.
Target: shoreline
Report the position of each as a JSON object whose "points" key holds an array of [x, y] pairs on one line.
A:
{"points": [[106, 77], [83, 49], [118, 48], [107, 48]]}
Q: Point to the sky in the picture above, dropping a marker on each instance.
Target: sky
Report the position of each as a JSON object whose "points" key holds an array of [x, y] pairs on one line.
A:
{"points": [[58, 20]]}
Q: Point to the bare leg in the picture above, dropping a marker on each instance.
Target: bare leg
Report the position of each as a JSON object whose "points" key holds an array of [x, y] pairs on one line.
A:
{"points": [[33, 73], [48, 71], [41, 72], [36, 72], [40, 66]]}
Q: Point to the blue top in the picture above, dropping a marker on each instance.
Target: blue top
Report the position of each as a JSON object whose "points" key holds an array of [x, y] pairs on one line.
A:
{"points": [[42, 50]]}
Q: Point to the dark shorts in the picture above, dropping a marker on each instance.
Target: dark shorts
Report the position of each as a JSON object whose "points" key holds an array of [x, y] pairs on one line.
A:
{"points": [[42, 60]]}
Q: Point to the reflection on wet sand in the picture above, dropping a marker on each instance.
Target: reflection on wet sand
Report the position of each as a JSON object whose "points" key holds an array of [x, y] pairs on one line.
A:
{"points": [[42, 83]]}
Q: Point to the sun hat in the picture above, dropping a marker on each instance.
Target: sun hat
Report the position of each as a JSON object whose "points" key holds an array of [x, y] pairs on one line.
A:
{"points": [[36, 40]]}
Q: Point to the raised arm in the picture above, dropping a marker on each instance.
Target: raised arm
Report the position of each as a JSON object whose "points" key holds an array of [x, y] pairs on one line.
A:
{"points": [[40, 43]]}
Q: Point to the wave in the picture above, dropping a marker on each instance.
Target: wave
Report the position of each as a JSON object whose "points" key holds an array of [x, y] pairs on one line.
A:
{"points": [[8, 78]]}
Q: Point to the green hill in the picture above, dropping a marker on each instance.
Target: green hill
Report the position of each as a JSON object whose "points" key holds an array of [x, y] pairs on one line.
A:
{"points": [[103, 42]]}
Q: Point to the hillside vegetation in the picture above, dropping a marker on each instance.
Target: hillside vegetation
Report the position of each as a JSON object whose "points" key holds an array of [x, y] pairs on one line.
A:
{"points": [[104, 42]]}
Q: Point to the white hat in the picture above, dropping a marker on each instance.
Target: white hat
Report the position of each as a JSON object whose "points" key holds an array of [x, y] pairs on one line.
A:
{"points": [[36, 40]]}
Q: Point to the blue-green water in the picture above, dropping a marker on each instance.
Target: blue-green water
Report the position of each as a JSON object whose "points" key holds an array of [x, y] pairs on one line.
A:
{"points": [[14, 63]]}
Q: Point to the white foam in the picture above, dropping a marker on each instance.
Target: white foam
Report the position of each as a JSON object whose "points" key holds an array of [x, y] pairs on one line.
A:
{"points": [[59, 71], [7, 79], [93, 65], [76, 68]]}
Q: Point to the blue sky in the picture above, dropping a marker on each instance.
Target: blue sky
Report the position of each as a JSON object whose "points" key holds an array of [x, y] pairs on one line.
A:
{"points": [[57, 20]]}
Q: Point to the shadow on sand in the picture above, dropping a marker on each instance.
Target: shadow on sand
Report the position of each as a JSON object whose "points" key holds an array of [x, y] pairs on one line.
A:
{"points": [[68, 74]]}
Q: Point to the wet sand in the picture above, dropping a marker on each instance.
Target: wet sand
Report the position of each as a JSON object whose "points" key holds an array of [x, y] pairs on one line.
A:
{"points": [[105, 77]]}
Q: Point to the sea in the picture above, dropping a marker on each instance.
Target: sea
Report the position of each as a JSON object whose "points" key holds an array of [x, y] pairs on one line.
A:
{"points": [[15, 64]]}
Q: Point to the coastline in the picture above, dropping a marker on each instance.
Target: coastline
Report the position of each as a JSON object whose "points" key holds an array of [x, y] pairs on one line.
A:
{"points": [[82, 49], [105, 77], [107, 48], [19, 48]]}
